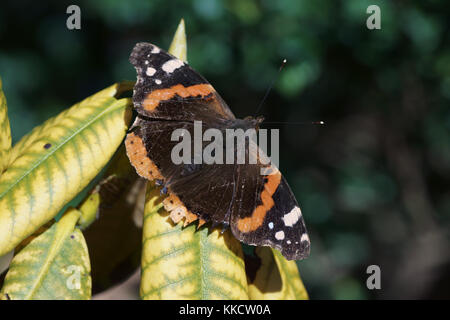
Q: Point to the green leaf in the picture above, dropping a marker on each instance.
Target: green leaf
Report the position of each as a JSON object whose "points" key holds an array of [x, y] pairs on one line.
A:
{"points": [[54, 265], [49, 166], [178, 47], [184, 263], [5, 131], [272, 277]]}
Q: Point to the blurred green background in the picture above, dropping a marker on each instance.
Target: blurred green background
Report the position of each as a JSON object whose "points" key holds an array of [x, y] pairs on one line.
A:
{"points": [[373, 183]]}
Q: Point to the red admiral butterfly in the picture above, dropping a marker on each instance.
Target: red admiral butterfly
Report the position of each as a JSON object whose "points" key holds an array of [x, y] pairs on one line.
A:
{"points": [[260, 209]]}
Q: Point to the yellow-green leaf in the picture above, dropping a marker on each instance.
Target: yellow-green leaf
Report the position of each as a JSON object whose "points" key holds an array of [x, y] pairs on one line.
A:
{"points": [[185, 263], [5, 131], [273, 277], [54, 265], [178, 47], [49, 166]]}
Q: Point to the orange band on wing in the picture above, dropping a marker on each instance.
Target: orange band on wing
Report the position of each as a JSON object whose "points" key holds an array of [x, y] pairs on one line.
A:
{"points": [[253, 222], [153, 99], [137, 153]]}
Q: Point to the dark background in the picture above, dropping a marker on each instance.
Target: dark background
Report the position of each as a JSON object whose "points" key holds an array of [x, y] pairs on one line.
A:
{"points": [[373, 183]]}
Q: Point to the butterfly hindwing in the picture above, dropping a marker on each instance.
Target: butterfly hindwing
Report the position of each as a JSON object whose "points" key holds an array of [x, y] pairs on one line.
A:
{"points": [[269, 216]]}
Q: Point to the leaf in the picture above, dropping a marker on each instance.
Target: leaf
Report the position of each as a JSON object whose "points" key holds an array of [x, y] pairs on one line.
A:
{"points": [[185, 263], [272, 277], [54, 265], [178, 47], [49, 166], [111, 213], [5, 131]]}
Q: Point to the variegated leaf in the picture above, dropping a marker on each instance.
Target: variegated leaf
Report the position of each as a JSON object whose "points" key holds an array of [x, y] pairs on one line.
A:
{"points": [[5, 131], [53, 265], [49, 166], [178, 47], [184, 263]]}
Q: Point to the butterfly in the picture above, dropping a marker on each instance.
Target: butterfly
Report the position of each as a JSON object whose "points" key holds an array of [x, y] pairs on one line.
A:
{"points": [[260, 209]]}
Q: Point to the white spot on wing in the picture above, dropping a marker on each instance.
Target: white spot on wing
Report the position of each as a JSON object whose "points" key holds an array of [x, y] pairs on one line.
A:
{"points": [[157, 81], [270, 225], [279, 235], [171, 65], [155, 50], [150, 71], [304, 238], [292, 217]]}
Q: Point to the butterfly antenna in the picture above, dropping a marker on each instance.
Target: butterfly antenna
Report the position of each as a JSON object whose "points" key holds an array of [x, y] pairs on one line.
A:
{"points": [[270, 88], [321, 123]]}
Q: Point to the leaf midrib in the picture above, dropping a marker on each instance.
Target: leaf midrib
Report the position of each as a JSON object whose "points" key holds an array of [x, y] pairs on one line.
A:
{"points": [[63, 228]]}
